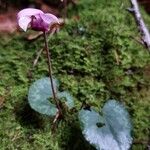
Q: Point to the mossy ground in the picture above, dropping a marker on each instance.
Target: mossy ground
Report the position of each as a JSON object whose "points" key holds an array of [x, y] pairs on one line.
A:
{"points": [[96, 58]]}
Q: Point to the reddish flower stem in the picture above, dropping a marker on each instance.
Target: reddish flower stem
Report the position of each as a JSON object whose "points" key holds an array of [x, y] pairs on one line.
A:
{"points": [[50, 72]]}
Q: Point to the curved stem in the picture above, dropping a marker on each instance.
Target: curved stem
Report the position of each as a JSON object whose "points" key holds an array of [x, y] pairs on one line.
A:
{"points": [[50, 71]]}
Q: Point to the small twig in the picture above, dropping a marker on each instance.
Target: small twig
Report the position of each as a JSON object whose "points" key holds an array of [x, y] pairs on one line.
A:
{"points": [[16, 136], [33, 37], [143, 142], [1, 102], [41, 50], [142, 27], [56, 118], [56, 121], [117, 57], [37, 57], [138, 40]]}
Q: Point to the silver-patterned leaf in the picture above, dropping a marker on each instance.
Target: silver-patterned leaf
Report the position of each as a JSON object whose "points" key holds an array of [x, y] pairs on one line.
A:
{"points": [[39, 94], [68, 98], [115, 130]]}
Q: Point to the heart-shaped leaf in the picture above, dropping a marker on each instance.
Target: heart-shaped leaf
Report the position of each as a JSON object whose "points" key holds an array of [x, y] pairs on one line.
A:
{"points": [[69, 99], [40, 93], [114, 130]]}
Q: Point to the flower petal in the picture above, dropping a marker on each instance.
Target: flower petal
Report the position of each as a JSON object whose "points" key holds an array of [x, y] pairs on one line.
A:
{"points": [[28, 12], [49, 18], [23, 22]]}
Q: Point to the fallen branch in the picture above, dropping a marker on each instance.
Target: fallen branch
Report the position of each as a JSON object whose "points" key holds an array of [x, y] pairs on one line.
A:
{"points": [[142, 27]]}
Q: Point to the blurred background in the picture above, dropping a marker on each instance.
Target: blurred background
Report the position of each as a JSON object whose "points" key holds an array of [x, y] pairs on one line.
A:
{"points": [[9, 8]]}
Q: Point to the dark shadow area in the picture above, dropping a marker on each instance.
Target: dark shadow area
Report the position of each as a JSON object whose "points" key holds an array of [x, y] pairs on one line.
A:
{"points": [[27, 117], [77, 140], [71, 133], [145, 4]]}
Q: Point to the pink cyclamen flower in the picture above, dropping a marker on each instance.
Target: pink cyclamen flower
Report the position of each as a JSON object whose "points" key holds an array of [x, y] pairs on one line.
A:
{"points": [[36, 20]]}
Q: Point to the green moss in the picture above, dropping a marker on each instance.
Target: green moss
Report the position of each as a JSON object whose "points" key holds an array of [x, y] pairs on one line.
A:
{"points": [[95, 58]]}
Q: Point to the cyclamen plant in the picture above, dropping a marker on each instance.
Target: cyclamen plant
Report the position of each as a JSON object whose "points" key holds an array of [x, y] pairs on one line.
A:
{"points": [[106, 132], [45, 22]]}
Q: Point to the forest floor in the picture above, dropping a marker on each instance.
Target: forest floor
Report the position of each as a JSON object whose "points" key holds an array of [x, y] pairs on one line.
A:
{"points": [[96, 56]]}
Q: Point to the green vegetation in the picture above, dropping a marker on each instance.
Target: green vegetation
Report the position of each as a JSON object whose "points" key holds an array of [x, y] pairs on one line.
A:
{"points": [[95, 58]]}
